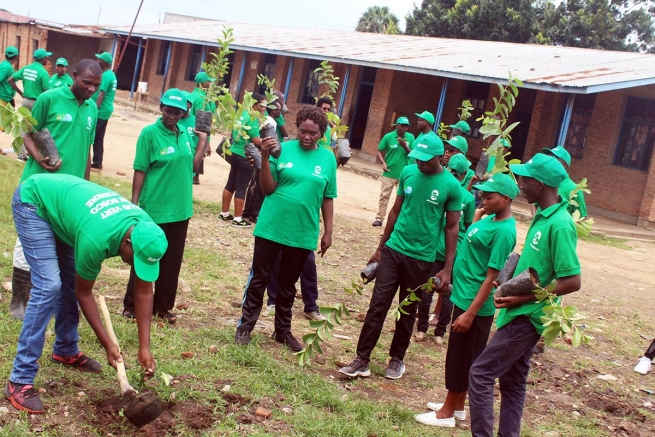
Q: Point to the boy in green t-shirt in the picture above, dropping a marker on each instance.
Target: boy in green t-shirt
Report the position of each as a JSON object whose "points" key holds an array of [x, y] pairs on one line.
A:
{"points": [[104, 98], [567, 185], [549, 249], [428, 203], [7, 93], [392, 152], [61, 77]]}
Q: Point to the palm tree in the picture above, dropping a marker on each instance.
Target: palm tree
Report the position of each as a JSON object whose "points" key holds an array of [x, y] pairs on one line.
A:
{"points": [[378, 19]]}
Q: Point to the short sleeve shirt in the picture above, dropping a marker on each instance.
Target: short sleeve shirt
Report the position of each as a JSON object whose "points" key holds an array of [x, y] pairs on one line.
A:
{"points": [[57, 81], [72, 126], [550, 249], [487, 245], [468, 211], [565, 189], [166, 158], [35, 79], [395, 154], [239, 143], [189, 123], [6, 91], [290, 215], [469, 175], [326, 140], [88, 217], [280, 122], [108, 85], [427, 198], [200, 103]]}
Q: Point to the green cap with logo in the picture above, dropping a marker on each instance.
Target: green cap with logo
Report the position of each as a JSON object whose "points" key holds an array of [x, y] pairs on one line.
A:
{"points": [[543, 168], [62, 61], [149, 245], [559, 152], [460, 143], [426, 115], [461, 125], [429, 147], [105, 57], [402, 120], [188, 96], [175, 98], [203, 77], [459, 164], [11, 51], [500, 183], [40, 54]]}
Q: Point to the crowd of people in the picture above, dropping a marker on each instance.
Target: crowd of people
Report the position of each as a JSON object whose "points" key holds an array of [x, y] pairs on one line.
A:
{"points": [[445, 223]]}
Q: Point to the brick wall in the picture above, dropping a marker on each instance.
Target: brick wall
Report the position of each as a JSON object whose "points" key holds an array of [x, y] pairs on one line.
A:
{"points": [[28, 33]]}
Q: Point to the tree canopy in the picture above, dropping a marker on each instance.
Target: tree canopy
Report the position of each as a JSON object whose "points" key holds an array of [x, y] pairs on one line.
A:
{"points": [[378, 19], [626, 25]]}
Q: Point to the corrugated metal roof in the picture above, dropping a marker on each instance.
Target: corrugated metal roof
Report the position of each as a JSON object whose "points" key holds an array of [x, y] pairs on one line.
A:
{"points": [[82, 30], [559, 69]]}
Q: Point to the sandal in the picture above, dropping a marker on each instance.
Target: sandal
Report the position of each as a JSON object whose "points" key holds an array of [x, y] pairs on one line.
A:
{"points": [[170, 317], [129, 314]]}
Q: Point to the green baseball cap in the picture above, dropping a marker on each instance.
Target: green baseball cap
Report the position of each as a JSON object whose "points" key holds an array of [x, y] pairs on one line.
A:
{"points": [[503, 142], [149, 245], [188, 96], [175, 98], [41, 54], [426, 115], [460, 143], [203, 77], [543, 168], [429, 147], [62, 61], [559, 152], [459, 164], [105, 57], [461, 125], [11, 51], [402, 120], [499, 183]]}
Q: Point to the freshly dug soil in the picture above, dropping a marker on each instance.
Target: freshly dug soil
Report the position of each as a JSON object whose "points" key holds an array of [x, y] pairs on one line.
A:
{"points": [[523, 283], [204, 121], [269, 131], [481, 168], [46, 145], [508, 269], [252, 151]]}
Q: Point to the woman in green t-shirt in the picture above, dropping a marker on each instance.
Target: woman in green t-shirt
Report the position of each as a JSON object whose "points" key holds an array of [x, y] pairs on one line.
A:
{"points": [[481, 256], [297, 185], [166, 158]]}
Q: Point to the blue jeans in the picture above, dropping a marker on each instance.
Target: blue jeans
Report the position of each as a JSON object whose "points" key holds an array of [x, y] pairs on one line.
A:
{"points": [[53, 278], [308, 283]]}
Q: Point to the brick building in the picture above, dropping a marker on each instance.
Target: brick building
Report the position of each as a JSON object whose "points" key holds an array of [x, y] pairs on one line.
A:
{"points": [[600, 105]]}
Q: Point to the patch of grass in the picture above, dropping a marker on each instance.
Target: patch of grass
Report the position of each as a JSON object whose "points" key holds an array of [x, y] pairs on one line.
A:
{"points": [[619, 243]]}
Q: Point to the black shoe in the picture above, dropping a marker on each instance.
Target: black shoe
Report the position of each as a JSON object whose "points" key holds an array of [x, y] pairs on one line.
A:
{"points": [[226, 218], [241, 224], [242, 337], [97, 166], [377, 223], [289, 341]]}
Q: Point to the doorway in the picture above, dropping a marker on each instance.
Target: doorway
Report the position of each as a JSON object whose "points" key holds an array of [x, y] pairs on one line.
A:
{"points": [[362, 106], [524, 107]]}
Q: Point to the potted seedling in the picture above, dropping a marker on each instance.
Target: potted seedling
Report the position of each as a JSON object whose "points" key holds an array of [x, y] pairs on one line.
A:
{"points": [[19, 121], [326, 77], [268, 127], [508, 269]]}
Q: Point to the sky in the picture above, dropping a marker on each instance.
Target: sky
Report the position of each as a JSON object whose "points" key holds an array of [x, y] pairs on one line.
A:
{"points": [[332, 14]]}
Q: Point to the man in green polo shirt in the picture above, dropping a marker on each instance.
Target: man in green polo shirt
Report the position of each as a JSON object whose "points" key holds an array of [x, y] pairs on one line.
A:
{"points": [[7, 93], [104, 98], [199, 102], [68, 227], [392, 152], [549, 249], [456, 145], [326, 104], [567, 186], [461, 127], [61, 77]]}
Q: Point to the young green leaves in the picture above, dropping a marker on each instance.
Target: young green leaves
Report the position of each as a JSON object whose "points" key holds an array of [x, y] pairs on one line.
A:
{"points": [[16, 122], [558, 320]]}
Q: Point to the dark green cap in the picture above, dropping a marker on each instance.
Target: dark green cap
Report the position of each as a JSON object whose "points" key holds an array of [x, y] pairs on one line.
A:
{"points": [[543, 168], [461, 125], [559, 152], [460, 143], [499, 183]]}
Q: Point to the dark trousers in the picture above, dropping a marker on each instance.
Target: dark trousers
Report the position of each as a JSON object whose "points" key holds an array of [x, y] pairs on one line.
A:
{"points": [[239, 177], [99, 142], [308, 283], [650, 352], [424, 309], [395, 270], [169, 270], [464, 348], [507, 357], [254, 199], [266, 253]]}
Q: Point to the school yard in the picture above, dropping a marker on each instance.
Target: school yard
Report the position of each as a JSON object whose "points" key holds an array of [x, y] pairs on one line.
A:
{"points": [[218, 388]]}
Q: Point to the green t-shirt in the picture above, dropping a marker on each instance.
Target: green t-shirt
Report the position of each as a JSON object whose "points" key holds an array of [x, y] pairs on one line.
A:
{"points": [[200, 103], [550, 250], [35, 79], [422, 216], [290, 215], [88, 217], [238, 141], [396, 156], [565, 189], [487, 245], [492, 163], [280, 122], [57, 81], [468, 211], [326, 140], [6, 91], [189, 123], [72, 126], [108, 85], [167, 160], [469, 175]]}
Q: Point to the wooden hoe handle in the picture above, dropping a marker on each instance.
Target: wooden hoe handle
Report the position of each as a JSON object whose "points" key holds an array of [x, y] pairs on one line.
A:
{"points": [[120, 366]]}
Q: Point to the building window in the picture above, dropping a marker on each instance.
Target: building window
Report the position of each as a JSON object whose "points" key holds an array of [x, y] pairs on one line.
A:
{"points": [[35, 45], [164, 47], [477, 93], [268, 70], [576, 136], [310, 89], [637, 134], [195, 62]]}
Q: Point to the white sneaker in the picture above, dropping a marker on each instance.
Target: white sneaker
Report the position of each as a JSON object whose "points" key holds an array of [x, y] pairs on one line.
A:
{"points": [[314, 315], [643, 366], [459, 415], [270, 311], [430, 418], [439, 340]]}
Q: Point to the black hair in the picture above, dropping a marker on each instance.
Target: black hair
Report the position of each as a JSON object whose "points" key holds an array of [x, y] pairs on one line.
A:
{"points": [[88, 65], [322, 100], [314, 114], [258, 97]]}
